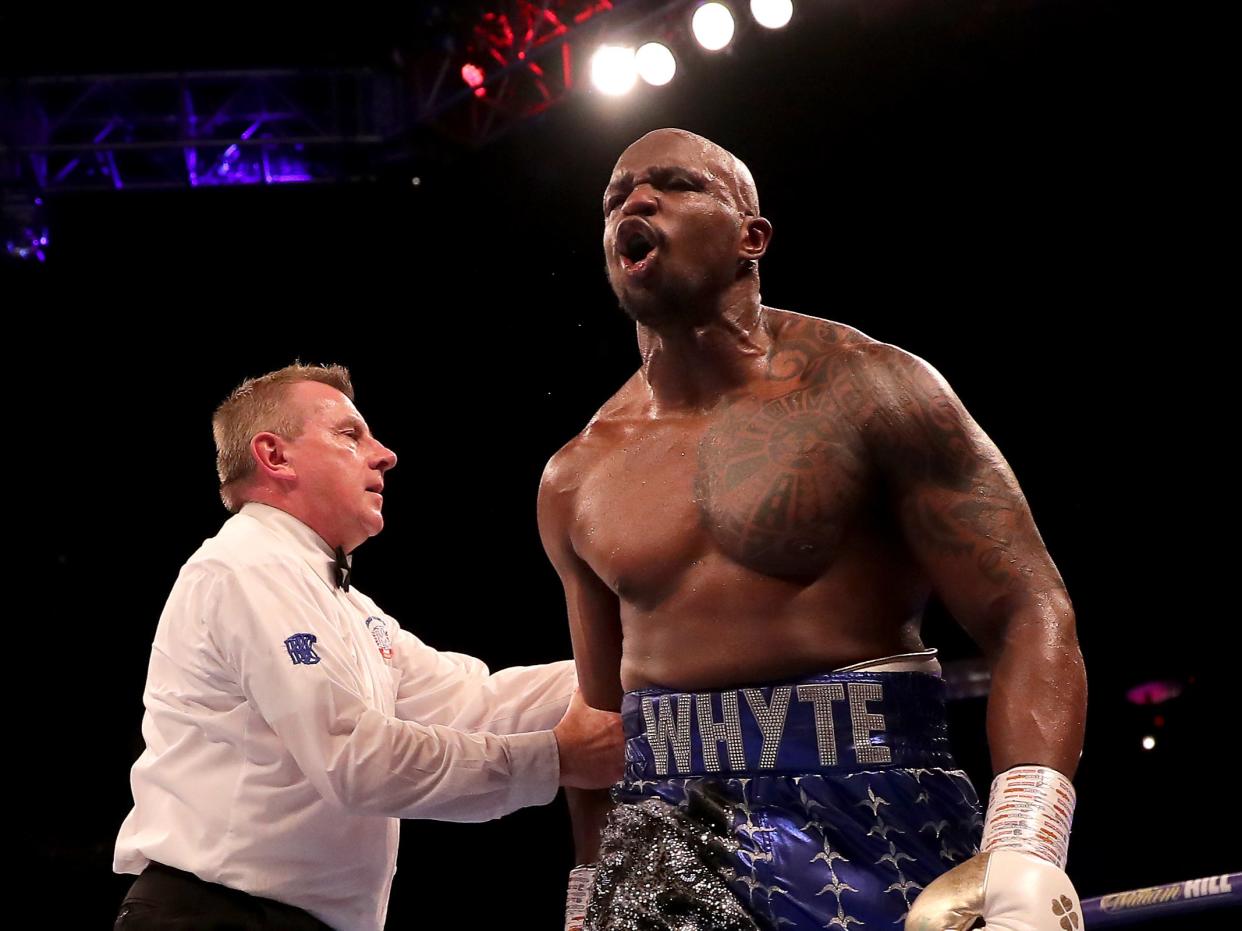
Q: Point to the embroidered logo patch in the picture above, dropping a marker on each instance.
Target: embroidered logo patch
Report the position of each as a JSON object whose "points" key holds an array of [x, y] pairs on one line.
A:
{"points": [[301, 649], [379, 630]]}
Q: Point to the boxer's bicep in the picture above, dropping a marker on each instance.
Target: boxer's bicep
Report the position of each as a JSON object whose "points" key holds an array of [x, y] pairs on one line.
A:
{"points": [[961, 512], [978, 547], [967, 525]]}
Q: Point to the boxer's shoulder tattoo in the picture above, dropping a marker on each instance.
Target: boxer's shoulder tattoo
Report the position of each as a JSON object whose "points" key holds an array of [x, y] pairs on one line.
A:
{"points": [[955, 493], [917, 426], [800, 348]]}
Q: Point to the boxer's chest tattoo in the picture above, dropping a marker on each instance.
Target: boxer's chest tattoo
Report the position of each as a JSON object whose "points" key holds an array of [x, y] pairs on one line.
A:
{"points": [[777, 480]]}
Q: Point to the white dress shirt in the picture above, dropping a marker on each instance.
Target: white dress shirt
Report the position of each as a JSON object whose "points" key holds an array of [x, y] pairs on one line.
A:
{"points": [[289, 724]]}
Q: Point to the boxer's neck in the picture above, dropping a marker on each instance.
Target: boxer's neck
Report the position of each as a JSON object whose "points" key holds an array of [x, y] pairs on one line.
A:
{"points": [[691, 368]]}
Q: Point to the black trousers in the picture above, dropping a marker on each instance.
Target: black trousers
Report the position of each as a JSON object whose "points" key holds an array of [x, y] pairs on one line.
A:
{"points": [[171, 900]]}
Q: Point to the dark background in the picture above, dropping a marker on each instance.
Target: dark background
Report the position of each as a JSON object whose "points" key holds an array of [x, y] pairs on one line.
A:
{"points": [[1014, 191]]}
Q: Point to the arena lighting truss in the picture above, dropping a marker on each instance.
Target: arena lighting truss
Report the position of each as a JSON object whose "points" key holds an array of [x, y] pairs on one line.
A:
{"points": [[198, 129], [522, 57], [216, 128], [471, 81], [515, 60]]}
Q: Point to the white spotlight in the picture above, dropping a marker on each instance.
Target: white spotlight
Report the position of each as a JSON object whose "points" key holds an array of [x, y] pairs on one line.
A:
{"points": [[612, 69], [1149, 743], [655, 63], [771, 14], [713, 26]]}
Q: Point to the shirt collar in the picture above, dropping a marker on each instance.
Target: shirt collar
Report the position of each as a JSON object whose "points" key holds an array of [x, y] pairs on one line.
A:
{"points": [[313, 549]]}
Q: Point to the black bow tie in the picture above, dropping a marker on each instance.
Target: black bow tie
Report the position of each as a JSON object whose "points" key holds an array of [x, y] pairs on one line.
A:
{"points": [[342, 567]]}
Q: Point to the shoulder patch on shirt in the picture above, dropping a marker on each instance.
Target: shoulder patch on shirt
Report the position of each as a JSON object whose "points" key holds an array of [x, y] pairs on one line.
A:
{"points": [[379, 630], [301, 649]]}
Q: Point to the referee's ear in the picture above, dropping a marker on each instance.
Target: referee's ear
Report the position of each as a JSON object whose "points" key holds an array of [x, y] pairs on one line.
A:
{"points": [[271, 461]]}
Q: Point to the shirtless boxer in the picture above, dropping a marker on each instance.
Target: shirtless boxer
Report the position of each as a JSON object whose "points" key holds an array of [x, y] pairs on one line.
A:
{"points": [[748, 532]]}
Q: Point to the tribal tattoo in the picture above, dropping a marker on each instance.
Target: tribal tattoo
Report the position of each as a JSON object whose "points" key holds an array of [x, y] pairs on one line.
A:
{"points": [[779, 479]]}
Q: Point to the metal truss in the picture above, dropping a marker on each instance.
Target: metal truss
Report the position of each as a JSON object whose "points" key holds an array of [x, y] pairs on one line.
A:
{"points": [[488, 72], [520, 58], [506, 64], [200, 128]]}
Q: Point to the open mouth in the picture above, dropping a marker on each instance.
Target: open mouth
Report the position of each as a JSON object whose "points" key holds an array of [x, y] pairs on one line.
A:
{"points": [[637, 244]]}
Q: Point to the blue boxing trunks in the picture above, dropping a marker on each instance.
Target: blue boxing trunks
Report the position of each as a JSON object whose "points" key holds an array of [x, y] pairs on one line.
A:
{"points": [[826, 802]]}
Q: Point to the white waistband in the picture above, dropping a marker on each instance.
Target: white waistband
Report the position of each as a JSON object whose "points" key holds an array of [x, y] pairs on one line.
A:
{"points": [[922, 661]]}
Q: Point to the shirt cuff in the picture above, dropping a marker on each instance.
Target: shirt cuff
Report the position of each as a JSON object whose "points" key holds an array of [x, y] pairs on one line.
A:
{"points": [[536, 767]]}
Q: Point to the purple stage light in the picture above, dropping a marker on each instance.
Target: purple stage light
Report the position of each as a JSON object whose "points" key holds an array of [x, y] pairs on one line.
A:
{"points": [[1154, 693]]}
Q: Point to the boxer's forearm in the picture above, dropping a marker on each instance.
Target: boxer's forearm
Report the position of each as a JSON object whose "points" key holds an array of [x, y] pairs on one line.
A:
{"points": [[1038, 703], [588, 811], [1036, 714]]}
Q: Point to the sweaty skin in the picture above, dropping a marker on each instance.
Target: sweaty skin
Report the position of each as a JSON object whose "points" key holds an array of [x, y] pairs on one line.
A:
{"points": [[772, 495]]}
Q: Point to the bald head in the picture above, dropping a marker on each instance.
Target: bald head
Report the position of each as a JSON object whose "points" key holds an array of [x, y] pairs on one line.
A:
{"points": [[683, 147]]}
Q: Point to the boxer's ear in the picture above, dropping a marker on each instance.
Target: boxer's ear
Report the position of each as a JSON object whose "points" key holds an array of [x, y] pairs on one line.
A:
{"points": [[756, 235]]}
